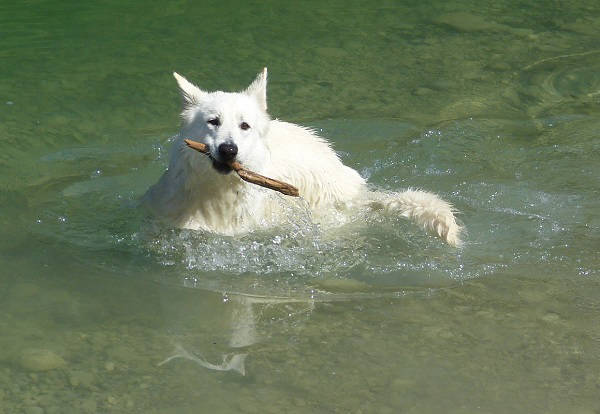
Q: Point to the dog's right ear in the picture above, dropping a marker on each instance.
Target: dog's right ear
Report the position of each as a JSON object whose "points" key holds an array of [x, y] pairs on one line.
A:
{"points": [[258, 89], [191, 93]]}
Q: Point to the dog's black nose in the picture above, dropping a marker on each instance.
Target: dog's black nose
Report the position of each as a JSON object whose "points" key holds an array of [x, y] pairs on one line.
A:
{"points": [[228, 151]]}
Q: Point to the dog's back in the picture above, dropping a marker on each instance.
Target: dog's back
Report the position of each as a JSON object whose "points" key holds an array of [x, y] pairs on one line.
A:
{"points": [[301, 157]]}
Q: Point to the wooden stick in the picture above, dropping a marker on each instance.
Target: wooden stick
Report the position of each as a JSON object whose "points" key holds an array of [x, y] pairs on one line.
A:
{"points": [[249, 176]]}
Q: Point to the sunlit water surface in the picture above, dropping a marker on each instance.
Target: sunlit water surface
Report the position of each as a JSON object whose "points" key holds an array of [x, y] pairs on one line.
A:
{"points": [[496, 109]]}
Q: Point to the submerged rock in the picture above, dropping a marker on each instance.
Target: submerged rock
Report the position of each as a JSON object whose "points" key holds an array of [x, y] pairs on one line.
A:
{"points": [[109, 366], [79, 378], [40, 360], [465, 108]]}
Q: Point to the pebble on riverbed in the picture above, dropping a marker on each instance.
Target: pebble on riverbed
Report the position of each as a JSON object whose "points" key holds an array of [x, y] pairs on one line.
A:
{"points": [[78, 378], [40, 360]]}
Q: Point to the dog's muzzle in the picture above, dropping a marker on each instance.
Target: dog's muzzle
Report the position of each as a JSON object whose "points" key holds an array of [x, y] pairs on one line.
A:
{"points": [[226, 153]]}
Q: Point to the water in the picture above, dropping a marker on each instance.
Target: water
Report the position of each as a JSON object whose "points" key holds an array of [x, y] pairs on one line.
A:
{"points": [[494, 107]]}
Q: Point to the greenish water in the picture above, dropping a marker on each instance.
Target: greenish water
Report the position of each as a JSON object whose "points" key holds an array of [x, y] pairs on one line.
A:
{"points": [[496, 107]]}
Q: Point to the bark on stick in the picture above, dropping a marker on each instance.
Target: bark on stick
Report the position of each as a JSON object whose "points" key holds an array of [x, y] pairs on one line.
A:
{"points": [[249, 176]]}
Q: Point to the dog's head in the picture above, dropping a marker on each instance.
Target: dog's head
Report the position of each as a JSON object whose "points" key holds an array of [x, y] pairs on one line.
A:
{"points": [[232, 124]]}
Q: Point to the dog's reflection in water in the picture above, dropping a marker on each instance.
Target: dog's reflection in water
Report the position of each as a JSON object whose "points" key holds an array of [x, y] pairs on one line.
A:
{"points": [[245, 316]]}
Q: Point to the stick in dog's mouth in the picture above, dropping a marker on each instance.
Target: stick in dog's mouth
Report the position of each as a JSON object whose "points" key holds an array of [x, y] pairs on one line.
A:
{"points": [[247, 175]]}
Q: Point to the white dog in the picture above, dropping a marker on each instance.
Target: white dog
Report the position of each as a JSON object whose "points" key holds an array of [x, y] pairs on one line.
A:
{"points": [[200, 192]]}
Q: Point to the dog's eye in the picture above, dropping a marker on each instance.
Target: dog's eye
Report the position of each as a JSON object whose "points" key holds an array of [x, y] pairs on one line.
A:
{"points": [[214, 121], [244, 126]]}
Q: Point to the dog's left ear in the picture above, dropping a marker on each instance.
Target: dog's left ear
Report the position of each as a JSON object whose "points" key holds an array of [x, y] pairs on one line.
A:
{"points": [[258, 89]]}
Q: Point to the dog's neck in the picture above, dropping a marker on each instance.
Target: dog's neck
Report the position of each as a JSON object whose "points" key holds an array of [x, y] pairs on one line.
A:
{"points": [[233, 204]]}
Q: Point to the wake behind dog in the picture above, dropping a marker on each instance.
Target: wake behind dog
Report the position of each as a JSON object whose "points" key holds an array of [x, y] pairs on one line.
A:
{"points": [[200, 192]]}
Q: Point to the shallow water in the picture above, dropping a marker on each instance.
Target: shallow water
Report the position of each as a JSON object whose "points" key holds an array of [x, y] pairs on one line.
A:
{"points": [[495, 107]]}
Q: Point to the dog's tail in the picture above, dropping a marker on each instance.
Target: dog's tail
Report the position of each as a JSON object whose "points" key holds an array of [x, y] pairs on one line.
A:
{"points": [[426, 209]]}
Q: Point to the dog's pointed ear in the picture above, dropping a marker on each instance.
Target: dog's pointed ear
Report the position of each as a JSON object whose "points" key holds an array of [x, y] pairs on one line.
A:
{"points": [[258, 89], [191, 93]]}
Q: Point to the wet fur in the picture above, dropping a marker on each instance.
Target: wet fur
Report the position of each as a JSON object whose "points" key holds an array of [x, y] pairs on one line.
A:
{"points": [[193, 194]]}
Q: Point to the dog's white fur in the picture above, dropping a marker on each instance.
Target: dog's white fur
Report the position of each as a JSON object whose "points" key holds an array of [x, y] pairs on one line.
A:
{"points": [[192, 194]]}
